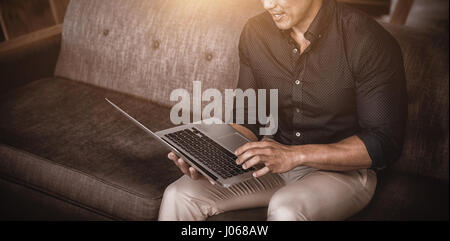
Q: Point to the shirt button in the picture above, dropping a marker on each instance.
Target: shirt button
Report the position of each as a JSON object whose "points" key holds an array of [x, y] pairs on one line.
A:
{"points": [[297, 110], [298, 134], [297, 82], [295, 51]]}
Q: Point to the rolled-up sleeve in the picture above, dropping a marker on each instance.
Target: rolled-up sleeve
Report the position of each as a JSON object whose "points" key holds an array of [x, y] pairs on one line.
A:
{"points": [[381, 99]]}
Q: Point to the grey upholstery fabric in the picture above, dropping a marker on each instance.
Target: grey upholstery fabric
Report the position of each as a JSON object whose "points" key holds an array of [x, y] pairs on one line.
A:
{"points": [[150, 48], [83, 149], [21, 202]]}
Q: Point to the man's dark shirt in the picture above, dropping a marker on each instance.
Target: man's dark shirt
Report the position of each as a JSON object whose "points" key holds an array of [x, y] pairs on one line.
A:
{"points": [[349, 81]]}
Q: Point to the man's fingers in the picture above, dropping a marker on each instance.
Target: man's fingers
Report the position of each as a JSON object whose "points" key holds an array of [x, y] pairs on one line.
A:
{"points": [[183, 167], [251, 145], [261, 172], [251, 153], [186, 168], [252, 162], [175, 160], [172, 156], [194, 173]]}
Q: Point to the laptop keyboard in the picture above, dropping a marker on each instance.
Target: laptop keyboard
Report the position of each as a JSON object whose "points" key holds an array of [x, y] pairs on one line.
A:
{"points": [[208, 152]]}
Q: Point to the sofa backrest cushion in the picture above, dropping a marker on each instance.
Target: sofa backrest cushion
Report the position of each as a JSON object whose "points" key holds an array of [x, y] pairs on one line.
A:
{"points": [[150, 48], [425, 54]]}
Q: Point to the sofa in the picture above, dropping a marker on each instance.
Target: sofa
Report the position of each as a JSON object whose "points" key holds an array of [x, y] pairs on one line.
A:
{"points": [[65, 154]]}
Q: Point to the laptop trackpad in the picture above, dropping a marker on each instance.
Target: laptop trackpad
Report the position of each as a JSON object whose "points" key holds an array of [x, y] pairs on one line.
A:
{"points": [[232, 141]]}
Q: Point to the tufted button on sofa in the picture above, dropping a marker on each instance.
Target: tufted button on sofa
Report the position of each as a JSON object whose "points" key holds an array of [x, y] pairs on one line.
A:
{"points": [[156, 44], [66, 154]]}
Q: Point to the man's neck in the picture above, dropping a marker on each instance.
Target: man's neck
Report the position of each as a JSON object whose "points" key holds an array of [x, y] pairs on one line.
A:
{"points": [[298, 31], [303, 26]]}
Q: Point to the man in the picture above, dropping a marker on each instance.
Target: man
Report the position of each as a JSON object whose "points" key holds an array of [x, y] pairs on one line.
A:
{"points": [[342, 105]]}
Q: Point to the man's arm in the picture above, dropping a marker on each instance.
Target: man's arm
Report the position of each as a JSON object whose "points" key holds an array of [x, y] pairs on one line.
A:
{"points": [[348, 154], [381, 97]]}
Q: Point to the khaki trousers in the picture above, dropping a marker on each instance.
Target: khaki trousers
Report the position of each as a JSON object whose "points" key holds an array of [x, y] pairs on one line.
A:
{"points": [[316, 195]]}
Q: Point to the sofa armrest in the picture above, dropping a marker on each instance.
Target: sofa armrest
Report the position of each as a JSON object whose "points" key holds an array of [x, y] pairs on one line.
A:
{"points": [[29, 58]]}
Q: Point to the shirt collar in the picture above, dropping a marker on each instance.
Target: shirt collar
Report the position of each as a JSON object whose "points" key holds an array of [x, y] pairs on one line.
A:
{"points": [[320, 23]]}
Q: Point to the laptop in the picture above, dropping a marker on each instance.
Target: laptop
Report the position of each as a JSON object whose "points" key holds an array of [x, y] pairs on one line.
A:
{"points": [[207, 148]]}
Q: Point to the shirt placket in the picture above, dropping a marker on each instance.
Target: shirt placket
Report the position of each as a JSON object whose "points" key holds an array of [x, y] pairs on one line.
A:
{"points": [[299, 64]]}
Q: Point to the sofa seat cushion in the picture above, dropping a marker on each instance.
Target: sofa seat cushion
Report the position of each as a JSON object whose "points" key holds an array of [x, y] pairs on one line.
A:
{"points": [[401, 196], [398, 197], [62, 137]]}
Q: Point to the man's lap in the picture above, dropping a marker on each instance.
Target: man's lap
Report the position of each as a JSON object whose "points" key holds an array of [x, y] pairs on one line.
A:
{"points": [[316, 195]]}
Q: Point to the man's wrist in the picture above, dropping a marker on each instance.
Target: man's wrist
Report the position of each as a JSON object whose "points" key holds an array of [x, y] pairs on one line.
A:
{"points": [[267, 138], [298, 156]]}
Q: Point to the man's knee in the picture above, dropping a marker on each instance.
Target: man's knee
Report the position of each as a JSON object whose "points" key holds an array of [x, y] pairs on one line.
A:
{"points": [[185, 199], [178, 190], [176, 203], [286, 208], [171, 191]]}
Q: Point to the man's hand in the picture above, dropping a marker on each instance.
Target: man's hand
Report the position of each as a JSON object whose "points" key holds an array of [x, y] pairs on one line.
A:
{"points": [[186, 168], [276, 157]]}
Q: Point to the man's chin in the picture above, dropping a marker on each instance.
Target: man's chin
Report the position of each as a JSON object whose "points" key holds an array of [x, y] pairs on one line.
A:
{"points": [[283, 26]]}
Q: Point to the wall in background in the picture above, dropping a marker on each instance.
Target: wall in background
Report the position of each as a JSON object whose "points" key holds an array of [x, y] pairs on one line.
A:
{"points": [[21, 17]]}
